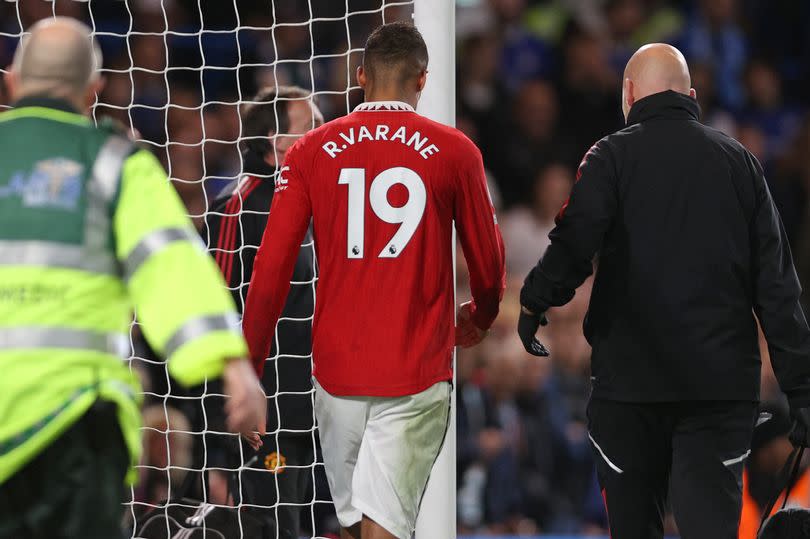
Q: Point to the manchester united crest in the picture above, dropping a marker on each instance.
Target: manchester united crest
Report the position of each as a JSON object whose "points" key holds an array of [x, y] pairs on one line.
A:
{"points": [[275, 462]]}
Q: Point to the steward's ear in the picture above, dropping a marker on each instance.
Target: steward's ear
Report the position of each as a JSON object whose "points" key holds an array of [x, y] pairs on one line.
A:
{"points": [[12, 80]]}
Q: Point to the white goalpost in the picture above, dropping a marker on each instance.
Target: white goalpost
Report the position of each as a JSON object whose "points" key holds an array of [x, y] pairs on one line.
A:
{"points": [[175, 83], [435, 19]]}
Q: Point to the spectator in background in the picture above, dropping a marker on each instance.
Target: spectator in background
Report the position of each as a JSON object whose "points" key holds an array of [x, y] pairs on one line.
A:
{"points": [[714, 37], [766, 109], [280, 478], [490, 438], [572, 352], [624, 20], [524, 56], [777, 30], [565, 392], [528, 225], [502, 376], [793, 176], [482, 95], [542, 446], [712, 113], [589, 99], [479, 439], [517, 149]]}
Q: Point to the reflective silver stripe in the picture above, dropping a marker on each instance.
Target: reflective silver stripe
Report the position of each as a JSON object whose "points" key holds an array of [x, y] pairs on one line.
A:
{"points": [[737, 460], [198, 327], [101, 189], [154, 242], [604, 457], [28, 337], [53, 254]]}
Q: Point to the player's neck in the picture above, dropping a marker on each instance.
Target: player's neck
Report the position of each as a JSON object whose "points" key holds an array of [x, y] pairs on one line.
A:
{"points": [[383, 95]]}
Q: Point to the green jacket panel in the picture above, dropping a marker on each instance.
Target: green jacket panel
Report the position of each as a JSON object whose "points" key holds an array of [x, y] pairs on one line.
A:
{"points": [[90, 228], [43, 183]]}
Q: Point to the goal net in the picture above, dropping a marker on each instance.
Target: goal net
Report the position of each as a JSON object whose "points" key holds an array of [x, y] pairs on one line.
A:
{"points": [[178, 74]]}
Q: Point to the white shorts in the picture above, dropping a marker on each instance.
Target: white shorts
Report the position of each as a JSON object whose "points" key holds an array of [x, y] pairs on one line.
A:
{"points": [[379, 451]]}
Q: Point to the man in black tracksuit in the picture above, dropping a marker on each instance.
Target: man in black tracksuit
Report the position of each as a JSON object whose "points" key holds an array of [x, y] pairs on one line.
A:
{"points": [[233, 231], [690, 246]]}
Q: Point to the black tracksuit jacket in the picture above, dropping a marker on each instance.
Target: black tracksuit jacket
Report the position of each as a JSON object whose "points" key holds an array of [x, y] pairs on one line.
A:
{"points": [[233, 231], [689, 246]]}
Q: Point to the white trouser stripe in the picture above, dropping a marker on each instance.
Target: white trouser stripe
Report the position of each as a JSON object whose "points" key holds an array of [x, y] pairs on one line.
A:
{"points": [[604, 457], [731, 462]]}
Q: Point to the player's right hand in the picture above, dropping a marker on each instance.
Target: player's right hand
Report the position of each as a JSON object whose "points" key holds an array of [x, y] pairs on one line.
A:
{"points": [[246, 407], [467, 333], [528, 323]]}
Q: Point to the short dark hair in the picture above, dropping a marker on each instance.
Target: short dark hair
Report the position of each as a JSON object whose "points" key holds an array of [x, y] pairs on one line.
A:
{"points": [[397, 46], [267, 113]]}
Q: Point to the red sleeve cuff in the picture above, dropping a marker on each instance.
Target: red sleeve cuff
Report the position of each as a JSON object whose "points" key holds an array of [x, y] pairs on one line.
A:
{"points": [[481, 318]]}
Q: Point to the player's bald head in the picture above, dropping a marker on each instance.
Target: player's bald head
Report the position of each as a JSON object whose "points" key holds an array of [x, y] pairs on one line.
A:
{"points": [[654, 68], [58, 58]]}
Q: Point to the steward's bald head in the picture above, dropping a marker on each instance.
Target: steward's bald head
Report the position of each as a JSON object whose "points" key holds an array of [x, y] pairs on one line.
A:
{"points": [[654, 68], [59, 58]]}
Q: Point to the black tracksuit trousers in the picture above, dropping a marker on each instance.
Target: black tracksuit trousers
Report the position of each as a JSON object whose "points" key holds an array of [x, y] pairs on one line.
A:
{"points": [[280, 481], [75, 488], [692, 450]]}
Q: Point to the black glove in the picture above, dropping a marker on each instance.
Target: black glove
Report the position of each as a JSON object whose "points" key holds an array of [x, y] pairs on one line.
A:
{"points": [[800, 434], [538, 294], [527, 328]]}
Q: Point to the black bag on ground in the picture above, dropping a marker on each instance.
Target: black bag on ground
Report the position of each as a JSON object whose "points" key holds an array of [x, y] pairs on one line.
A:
{"points": [[792, 523], [187, 518]]}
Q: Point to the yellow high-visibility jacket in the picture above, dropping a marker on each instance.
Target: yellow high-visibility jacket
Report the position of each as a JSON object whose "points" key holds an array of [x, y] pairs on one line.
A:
{"points": [[91, 229]]}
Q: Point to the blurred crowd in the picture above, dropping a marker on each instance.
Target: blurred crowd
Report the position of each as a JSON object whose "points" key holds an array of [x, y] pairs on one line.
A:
{"points": [[538, 82]]}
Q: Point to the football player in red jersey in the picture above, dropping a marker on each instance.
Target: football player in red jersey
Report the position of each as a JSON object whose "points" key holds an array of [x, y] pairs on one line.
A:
{"points": [[382, 187]]}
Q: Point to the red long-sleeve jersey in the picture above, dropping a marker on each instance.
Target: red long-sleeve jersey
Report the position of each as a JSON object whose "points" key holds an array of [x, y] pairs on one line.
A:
{"points": [[382, 187]]}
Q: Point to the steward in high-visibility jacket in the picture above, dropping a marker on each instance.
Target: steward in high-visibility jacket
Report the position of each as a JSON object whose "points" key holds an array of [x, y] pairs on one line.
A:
{"points": [[90, 228]]}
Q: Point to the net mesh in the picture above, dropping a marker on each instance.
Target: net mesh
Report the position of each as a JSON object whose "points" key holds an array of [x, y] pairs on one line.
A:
{"points": [[177, 76]]}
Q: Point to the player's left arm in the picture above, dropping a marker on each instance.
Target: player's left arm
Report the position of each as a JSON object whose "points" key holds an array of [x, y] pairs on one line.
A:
{"points": [[290, 213], [582, 224], [480, 239]]}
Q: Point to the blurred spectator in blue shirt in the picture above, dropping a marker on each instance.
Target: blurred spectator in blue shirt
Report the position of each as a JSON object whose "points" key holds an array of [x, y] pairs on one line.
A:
{"points": [[766, 109], [589, 93], [524, 55], [713, 36]]}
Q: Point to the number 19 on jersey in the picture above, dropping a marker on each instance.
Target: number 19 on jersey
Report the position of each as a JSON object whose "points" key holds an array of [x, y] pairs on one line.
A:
{"points": [[407, 216]]}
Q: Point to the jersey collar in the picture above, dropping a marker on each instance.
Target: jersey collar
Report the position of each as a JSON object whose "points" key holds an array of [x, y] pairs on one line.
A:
{"points": [[372, 106]]}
